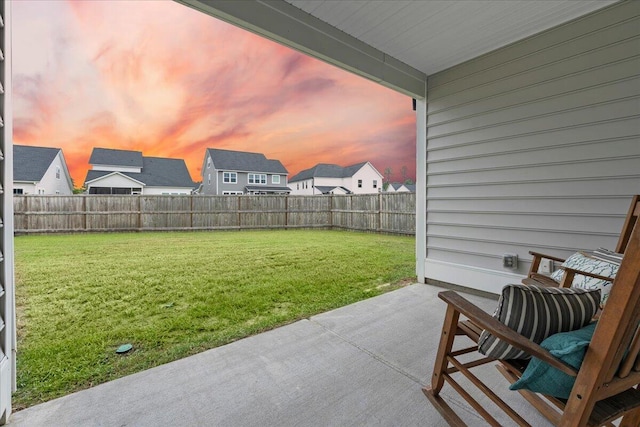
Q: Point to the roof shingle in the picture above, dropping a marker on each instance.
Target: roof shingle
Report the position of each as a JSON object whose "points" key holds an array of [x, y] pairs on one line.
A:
{"points": [[324, 170], [113, 157], [242, 161], [156, 172], [31, 163]]}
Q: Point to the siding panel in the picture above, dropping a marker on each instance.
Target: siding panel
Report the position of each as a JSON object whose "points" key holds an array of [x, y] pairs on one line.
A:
{"points": [[535, 146], [559, 36], [619, 33]]}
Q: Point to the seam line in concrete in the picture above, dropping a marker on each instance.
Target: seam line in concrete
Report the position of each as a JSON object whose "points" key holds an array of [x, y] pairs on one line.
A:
{"points": [[454, 400], [370, 353]]}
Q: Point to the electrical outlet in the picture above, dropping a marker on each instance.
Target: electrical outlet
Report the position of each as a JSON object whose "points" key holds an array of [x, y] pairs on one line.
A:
{"points": [[546, 265], [510, 261]]}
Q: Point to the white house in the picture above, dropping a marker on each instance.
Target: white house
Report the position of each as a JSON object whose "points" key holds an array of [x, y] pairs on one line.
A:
{"points": [[396, 187], [129, 172], [40, 170], [361, 178]]}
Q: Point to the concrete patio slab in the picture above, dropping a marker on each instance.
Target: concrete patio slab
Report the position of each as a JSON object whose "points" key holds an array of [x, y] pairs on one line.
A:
{"points": [[360, 365]]}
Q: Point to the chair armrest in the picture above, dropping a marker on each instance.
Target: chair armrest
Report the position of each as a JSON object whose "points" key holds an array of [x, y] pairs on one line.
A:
{"points": [[493, 326], [537, 258], [584, 273], [537, 279], [551, 257], [570, 273]]}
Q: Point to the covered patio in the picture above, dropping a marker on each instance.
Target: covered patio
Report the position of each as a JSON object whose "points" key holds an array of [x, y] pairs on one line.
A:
{"points": [[360, 365], [527, 120]]}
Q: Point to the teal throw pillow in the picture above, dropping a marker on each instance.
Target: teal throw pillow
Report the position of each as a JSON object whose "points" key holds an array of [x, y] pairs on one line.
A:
{"points": [[570, 347]]}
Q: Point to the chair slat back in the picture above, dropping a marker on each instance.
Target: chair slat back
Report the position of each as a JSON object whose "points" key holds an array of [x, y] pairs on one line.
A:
{"points": [[629, 224], [626, 291], [616, 329]]}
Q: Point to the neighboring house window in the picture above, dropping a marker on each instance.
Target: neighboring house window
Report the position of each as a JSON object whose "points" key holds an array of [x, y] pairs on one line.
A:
{"points": [[57, 191], [359, 183], [208, 162], [275, 179], [209, 179], [257, 178], [231, 193], [57, 172], [297, 186], [230, 177], [18, 191], [375, 183]]}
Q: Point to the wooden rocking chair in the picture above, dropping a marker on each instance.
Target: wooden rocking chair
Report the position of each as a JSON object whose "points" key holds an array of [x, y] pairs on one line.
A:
{"points": [[606, 385], [536, 278]]}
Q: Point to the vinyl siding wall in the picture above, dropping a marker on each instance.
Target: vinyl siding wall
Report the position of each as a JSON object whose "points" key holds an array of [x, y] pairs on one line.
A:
{"points": [[534, 146]]}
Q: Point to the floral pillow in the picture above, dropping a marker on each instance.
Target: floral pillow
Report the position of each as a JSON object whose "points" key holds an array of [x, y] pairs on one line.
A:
{"points": [[583, 262]]}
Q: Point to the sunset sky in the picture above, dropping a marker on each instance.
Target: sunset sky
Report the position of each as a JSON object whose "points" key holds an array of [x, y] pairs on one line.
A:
{"points": [[161, 78]]}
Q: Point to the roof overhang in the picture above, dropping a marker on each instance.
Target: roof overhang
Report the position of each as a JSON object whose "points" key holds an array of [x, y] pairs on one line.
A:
{"points": [[293, 27], [94, 180], [396, 43]]}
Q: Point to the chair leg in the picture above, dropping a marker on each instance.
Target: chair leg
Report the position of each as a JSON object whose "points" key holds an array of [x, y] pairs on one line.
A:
{"points": [[437, 380], [443, 408], [447, 336]]}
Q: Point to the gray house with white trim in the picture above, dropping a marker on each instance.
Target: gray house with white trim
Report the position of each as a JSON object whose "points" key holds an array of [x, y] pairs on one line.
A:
{"points": [[40, 170], [228, 172], [129, 172]]}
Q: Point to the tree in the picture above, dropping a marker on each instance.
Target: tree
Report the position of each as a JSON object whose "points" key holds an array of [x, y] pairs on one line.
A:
{"points": [[78, 190], [403, 171], [387, 178], [387, 174]]}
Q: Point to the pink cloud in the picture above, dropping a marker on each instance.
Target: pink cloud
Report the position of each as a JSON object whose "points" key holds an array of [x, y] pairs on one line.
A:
{"points": [[118, 78]]}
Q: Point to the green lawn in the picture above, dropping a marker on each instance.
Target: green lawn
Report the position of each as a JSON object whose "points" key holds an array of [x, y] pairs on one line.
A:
{"points": [[175, 294]]}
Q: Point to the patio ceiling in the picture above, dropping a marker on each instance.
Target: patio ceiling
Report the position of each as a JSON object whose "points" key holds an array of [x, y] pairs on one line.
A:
{"points": [[396, 43], [431, 36]]}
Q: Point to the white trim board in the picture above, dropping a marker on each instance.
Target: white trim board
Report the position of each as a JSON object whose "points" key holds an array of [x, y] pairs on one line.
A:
{"points": [[478, 278]]}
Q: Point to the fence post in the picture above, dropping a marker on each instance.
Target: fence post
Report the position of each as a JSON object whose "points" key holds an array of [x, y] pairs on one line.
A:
{"points": [[331, 211], [139, 212], [191, 212], [239, 214], [28, 216], [84, 212], [379, 212], [286, 211]]}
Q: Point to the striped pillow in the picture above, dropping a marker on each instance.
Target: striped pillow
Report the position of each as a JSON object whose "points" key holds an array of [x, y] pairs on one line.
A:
{"points": [[537, 312]]}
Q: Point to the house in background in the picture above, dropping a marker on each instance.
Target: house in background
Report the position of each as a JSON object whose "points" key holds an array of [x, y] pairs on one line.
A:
{"points": [[396, 187], [40, 170], [227, 172], [129, 172], [399, 187], [361, 178]]}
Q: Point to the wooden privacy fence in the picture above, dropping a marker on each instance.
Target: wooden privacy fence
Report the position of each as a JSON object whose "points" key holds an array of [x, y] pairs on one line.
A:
{"points": [[385, 213]]}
